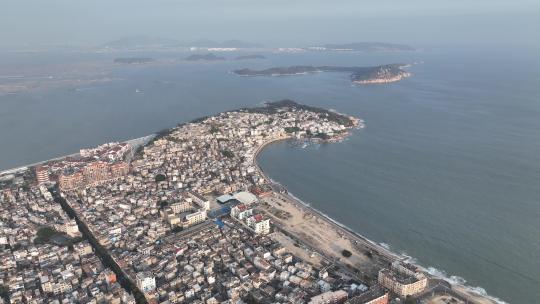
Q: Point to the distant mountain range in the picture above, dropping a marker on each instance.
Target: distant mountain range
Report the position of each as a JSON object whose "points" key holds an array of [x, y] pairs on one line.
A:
{"points": [[214, 57], [364, 47], [145, 42], [140, 41], [135, 42]]}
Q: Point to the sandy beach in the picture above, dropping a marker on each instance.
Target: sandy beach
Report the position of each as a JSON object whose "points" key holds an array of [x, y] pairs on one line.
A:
{"points": [[315, 237], [319, 234]]}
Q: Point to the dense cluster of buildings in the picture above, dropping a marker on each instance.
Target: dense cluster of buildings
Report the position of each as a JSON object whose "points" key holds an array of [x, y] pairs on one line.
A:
{"points": [[112, 152], [42, 257], [165, 189], [152, 216], [217, 154], [91, 174], [89, 168], [257, 222], [228, 264]]}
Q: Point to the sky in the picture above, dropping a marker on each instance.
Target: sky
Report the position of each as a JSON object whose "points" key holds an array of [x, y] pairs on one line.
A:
{"points": [[273, 23]]}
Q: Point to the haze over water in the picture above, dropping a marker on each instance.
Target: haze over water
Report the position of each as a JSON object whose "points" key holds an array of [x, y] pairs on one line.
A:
{"points": [[446, 170]]}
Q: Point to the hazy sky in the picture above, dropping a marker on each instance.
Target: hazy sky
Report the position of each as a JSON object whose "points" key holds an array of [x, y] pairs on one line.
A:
{"points": [[276, 22]]}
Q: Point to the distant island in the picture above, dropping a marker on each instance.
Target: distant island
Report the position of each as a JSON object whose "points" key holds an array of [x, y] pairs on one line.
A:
{"points": [[362, 75], [205, 57], [364, 47], [133, 60], [246, 57]]}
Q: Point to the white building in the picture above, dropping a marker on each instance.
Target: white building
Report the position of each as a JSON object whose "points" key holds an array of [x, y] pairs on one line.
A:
{"points": [[262, 226], [146, 282], [181, 207], [245, 197], [241, 212], [329, 297], [69, 227], [195, 218], [200, 201]]}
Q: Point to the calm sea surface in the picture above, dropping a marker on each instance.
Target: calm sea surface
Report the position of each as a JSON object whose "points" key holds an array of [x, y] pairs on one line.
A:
{"points": [[447, 169]]}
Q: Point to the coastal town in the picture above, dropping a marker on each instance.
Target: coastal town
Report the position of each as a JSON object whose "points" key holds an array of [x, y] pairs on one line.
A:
{"points": [[189, 217]]}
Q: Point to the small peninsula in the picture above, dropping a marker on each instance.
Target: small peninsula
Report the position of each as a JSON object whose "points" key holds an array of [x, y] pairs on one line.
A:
{"points": [[361, 75]]}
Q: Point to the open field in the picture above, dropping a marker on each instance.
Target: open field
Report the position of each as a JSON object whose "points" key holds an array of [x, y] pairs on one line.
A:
{"points": [[322, 235]]}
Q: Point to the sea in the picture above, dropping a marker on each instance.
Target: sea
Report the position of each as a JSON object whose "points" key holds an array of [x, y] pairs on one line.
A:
{"points": [[446, 171]]}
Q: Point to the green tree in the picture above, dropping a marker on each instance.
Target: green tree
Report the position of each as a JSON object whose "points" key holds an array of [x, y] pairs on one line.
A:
{"points": [[227, 153], [292, 129], [160, 178], [409, 300]]}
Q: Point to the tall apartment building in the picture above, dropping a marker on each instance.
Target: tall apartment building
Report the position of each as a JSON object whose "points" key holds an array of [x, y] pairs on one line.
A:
{"points": [[403, 279], [71, 181], [42, 175], [199, 200], [195, 218], [119, 169], [181, 207], [262, 226], [93, 174], [241, 212], [259, 224], [96, 172]]}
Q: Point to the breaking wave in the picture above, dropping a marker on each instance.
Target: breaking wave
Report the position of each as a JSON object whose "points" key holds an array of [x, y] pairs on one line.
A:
{"points": [[441, 274], [452, 279]]}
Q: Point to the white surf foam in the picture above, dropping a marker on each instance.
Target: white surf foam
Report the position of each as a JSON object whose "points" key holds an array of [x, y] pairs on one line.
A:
{"points": [[453, 279]]}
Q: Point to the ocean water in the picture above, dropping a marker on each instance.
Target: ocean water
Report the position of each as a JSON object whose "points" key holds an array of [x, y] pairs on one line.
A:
{"points": [[447, 169]]}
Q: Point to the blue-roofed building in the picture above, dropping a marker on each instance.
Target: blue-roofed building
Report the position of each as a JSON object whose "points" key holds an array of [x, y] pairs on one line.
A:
{"points": [[219, 223]]}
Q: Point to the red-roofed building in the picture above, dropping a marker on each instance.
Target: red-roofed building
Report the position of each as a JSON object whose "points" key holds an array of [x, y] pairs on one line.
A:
{"points": [[259, 224]]}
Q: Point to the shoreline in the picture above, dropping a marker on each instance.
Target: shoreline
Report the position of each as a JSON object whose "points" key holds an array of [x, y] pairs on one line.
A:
{"points": [[476, 295], [384, 80], [471, 293], [28, 166], [308, 207]]}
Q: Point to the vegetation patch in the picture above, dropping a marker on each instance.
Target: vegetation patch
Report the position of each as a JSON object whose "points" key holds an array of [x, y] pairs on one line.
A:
{"points": [[44, 234], [50, 235], [214, 130], [227, 153], [160, 178], [163, 204], [292, 129], [276, 106]]}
